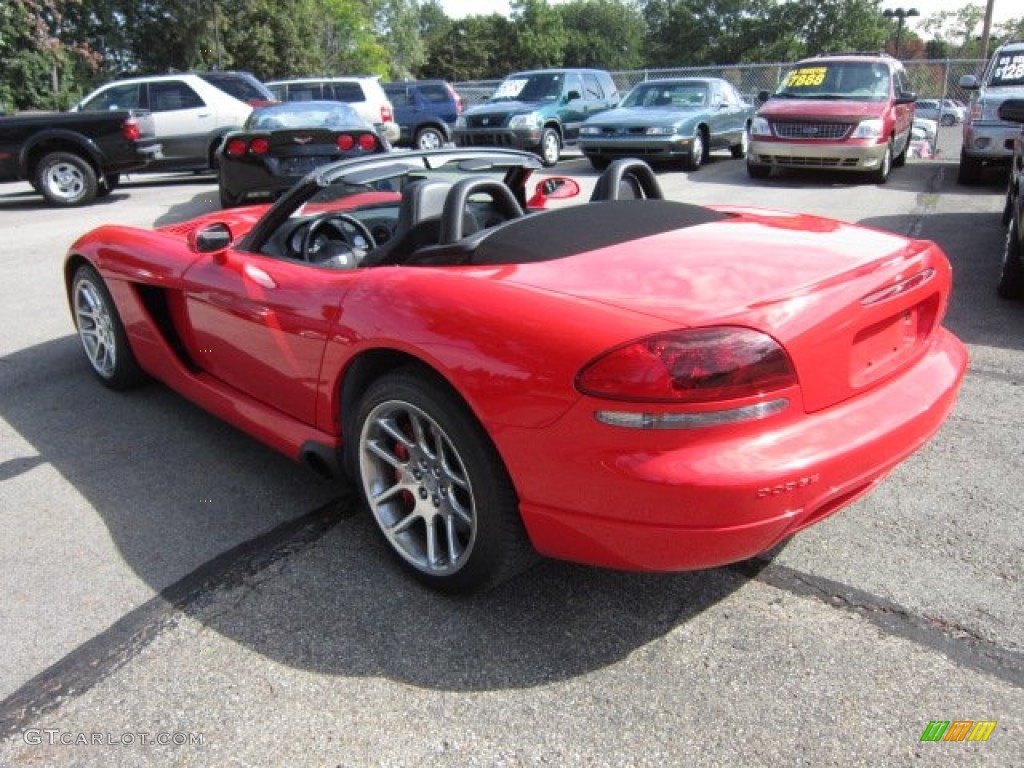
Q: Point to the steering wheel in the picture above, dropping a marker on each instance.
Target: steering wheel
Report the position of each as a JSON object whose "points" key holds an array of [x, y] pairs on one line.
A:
{"points": [[330, 239]]}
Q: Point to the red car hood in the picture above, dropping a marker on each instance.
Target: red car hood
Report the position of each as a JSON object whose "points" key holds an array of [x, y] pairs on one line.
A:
{"points": [[818, 109]]}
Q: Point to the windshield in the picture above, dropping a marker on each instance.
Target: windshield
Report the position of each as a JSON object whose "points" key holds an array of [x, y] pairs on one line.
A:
{"points": [[687, 93], [856, 81], [546, 86], [305, 114], [1009, 69]]}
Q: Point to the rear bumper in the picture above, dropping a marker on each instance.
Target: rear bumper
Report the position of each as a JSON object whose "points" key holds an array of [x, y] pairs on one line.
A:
{"points": [[619, 498]]}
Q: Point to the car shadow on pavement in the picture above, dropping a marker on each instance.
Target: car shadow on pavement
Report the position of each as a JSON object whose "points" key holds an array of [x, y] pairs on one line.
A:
{"points": [[176, 488]]}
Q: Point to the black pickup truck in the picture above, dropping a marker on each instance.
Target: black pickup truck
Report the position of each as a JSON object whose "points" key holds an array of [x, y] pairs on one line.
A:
{"points": [[72, 158]]}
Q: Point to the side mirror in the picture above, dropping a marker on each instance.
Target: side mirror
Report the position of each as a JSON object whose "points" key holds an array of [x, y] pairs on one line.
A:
{"points": [[763, 96], [573, 96], [1012, 110], [554, 188], [906, 97], [211, 239], [970, 82]]}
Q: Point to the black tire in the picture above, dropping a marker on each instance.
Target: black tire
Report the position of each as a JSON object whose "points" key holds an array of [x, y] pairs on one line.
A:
{"points": [[429, 137], [550, 148], [65, 179], [901, 159], [695, 159], [881, 174], [1011, 278], [101, 331], [1008, 206], [739, 151], [442, 481], [599, 162], [970, 170], [110, 182], [758, 171]]}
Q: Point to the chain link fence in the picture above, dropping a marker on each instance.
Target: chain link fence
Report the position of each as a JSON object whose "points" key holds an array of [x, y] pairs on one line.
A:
{"points": [[934, 79]]}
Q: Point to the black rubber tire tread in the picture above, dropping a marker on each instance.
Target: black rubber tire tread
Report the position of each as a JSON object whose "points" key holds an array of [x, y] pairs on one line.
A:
{"points": [[1011, 277], [127, 373], [502, 548]]}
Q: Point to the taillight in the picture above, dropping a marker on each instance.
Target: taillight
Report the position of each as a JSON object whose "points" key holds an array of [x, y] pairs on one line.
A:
{"points": [[345, 142], [368, 142], [236, 147], [386, 115], [130, 129], [456, 98], [259, 146], [700, 365]]}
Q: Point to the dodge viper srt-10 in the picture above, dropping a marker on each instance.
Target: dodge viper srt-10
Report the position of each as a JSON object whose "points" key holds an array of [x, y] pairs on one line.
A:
{"points": [[503, 370]]}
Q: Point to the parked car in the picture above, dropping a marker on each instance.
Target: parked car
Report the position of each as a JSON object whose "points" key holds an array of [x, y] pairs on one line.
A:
{"points": [[942, 111], [987, 140], [678, 119], [836, 113], [924, 129], [540, 111], [632, 383], [280, 144], [191, 111], [425, 111], [72, 159], [1011, 279], [364, 94]]}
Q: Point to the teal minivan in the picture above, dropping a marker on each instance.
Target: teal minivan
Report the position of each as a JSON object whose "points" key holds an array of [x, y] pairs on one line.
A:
{"points": [[540, 111]]}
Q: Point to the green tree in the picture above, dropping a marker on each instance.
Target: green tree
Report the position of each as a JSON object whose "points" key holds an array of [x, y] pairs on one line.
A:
{"points": [[399, 24], [541, 34], [602, 33]]}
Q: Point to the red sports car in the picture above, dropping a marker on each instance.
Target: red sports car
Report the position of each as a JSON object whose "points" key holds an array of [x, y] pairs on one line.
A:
{"points": [[627, 382]]}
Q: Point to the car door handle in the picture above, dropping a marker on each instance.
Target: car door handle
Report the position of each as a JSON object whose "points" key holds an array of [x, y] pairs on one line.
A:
{"points": [[203, 114]]}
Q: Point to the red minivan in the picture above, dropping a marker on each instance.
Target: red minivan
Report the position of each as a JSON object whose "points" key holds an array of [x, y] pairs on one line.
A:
{"points": [[838, 112]]}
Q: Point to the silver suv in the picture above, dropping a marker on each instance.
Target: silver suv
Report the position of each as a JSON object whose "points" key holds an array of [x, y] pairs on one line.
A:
{"points": [[191, 111], [987, 139], [365, 94]]}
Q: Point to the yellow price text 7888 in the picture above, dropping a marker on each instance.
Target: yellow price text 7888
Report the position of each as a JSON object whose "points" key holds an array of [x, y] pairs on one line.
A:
{"points": [[803, 78]]}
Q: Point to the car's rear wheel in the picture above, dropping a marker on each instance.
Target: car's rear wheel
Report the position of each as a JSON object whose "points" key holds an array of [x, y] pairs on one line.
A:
{"points": [[739, 151], [1011, 279], [550, 147], [429, 137], [970, 170], [65, 179], [436, 486], [101, 331], [110, 182], [228, 199]]}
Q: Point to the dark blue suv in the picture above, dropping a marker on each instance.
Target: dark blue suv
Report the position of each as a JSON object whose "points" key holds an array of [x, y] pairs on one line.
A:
{"points": [[425, 110]]}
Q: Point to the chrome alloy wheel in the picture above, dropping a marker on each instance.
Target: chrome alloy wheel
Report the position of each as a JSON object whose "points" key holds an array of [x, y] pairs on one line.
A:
{"points": [[65, 181], [95, 328], [417, 488]]}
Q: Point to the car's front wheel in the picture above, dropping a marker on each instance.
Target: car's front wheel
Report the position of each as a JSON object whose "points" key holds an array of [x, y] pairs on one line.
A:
{"points": [[756, 171], [739, 151], [101, 331], [65, 179], [696, 157], [970, 170], [550, 147], [881, 174], [436, 485], [1011, 279]]}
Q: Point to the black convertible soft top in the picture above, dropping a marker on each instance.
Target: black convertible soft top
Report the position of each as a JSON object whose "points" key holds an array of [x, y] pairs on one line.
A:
{"points": [[569, 231]]}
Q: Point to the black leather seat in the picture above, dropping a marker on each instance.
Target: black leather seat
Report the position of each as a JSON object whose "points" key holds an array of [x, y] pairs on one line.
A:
{"points": [[419, 223]]}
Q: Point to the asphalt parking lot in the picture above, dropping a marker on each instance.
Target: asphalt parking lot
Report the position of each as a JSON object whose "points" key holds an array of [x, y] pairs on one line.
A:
{"points": [[174, 593]]}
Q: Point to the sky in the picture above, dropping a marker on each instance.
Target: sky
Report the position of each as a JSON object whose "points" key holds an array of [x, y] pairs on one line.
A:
{"points": [[1002, 10]]}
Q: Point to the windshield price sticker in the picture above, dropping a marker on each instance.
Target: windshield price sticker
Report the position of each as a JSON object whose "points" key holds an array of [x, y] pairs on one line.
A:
{"points": [[509, 89], [1010, 68], [805, 77]]}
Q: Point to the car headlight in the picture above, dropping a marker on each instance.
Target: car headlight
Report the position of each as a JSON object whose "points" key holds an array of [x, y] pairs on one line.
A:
{"points": [[529, 120], [590, 130], [760, 127], [460, 122], [868, 129], [660, 130]]}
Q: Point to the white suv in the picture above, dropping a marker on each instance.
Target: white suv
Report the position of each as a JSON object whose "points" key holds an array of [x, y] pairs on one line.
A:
{"points": [[365, 94], [191, 111]]}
